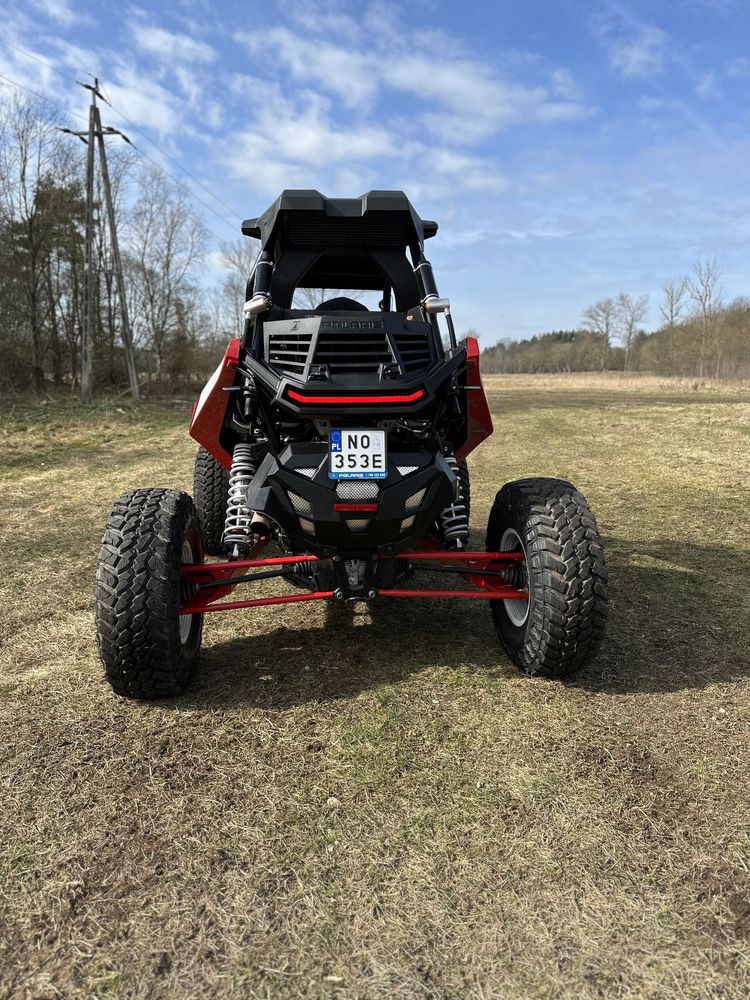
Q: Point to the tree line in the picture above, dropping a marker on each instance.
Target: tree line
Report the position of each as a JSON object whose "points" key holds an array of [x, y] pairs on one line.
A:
{"points": [[700, 335], [179, 325]]}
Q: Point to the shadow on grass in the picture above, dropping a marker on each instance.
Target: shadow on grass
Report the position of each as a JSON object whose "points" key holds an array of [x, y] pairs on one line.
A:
{"points": [[287, 666], [678, 620], [679, 616]]}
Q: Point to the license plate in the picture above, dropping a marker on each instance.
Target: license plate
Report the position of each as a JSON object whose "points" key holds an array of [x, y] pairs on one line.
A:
{"points": [[357, 454]]}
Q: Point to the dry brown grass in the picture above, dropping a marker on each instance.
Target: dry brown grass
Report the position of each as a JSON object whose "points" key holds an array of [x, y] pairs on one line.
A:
{"points": [[382, 806], [620, 382]]}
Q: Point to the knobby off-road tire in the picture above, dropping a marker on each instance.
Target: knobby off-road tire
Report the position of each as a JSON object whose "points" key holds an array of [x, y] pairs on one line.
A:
{"points": [[211, 491], [562, 624], [147, 648]]}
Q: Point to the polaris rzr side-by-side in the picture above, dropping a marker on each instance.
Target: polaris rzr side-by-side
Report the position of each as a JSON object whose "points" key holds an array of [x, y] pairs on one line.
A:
{"points": [[333, 445]]}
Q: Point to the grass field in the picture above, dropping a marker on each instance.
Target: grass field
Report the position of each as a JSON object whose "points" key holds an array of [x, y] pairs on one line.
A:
{"points": [[380, 806]]}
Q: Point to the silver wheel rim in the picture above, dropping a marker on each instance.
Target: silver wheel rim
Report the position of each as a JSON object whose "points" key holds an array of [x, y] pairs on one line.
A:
{"points": [[517, 608], [186, 621]]}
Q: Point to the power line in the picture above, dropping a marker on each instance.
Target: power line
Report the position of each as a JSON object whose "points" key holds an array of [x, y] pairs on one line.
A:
{"points": [[141, 152], [42, 62], [132, 124], [208, 208], [43, 97], [173, 160]]}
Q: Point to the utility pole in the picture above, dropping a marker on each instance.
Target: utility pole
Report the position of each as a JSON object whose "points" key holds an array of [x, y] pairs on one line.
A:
{"points": [[127, 338], [96, 131], [88, 274]]}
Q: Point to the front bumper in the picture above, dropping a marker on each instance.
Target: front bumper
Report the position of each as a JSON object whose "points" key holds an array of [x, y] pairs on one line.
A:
{"points": [[386, 515]]}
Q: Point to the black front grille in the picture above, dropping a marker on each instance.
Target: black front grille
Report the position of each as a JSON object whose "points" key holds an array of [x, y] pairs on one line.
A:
{"points": [[356, 351], [414, 350], [353, 344], [287, 352]]}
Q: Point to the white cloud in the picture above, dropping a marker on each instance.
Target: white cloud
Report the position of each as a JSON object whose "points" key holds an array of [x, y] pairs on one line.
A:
{"points": [[294, 141], [61, 12], [635, 48], [472, 103], [171, 46], [563, 85], [640, 54], [738, 69], [143, 100], [470, 173], [651, 104], [76, 57], [313, 139], [707, 87], [461, 99], [172, 95], [351, 75]]}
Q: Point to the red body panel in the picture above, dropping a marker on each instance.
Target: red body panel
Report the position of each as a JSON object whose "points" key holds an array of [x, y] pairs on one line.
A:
{"points": [[211, 407], [478, 416]]}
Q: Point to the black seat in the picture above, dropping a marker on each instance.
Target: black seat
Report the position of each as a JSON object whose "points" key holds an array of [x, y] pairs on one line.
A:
{"points": [[341, 304]]}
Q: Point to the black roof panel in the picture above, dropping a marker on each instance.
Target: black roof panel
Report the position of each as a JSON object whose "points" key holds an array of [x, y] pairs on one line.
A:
{"points": [[307, 219]]}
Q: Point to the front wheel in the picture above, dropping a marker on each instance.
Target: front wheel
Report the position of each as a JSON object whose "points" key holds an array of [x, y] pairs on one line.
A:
{"points": [[148, 649], [561, 623]]}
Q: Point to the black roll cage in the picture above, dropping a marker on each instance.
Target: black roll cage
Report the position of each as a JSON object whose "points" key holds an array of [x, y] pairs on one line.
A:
{"points": [[308, 240]]}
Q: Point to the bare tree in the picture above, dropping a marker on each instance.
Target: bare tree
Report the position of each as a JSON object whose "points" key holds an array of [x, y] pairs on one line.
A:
{"points": [[600, 319], [167, 241], [672, 310], [673, 306], [630, 312], [34, 168], [238, 258], [706, 295], [311, 298]]}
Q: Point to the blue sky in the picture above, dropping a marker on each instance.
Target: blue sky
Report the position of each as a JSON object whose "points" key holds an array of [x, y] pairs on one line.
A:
{"points": [[568, 149]]}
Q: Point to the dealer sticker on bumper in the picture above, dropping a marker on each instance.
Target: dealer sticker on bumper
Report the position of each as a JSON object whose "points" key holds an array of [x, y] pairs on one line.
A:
{"points": [[357, 454]]}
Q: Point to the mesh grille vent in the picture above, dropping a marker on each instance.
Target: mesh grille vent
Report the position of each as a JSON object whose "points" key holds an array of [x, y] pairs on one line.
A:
{"points": [[415, 500], [406, 470], [307, 472], [359, 523], [301, 505], [357, 489], [407, 523], [307, 526]]}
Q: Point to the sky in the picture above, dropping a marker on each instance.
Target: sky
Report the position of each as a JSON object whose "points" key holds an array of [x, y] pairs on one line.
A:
{"points": [[569, 149]]}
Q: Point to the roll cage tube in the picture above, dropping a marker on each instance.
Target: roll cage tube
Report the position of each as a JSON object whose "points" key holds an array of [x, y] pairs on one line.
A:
{"points": [[431, 301], [260, 300]]}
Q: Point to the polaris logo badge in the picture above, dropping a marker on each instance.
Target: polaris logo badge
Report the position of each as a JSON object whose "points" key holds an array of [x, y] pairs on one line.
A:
{"points": [[363, 325]]}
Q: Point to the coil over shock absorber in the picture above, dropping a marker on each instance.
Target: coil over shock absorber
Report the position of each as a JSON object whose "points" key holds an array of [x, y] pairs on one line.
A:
{"points": [[454, 519], [242, 526], [237, 532]]}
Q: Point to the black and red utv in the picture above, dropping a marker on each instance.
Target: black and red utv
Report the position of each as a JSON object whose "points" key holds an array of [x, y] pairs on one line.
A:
{"points": [[333, 445]]}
